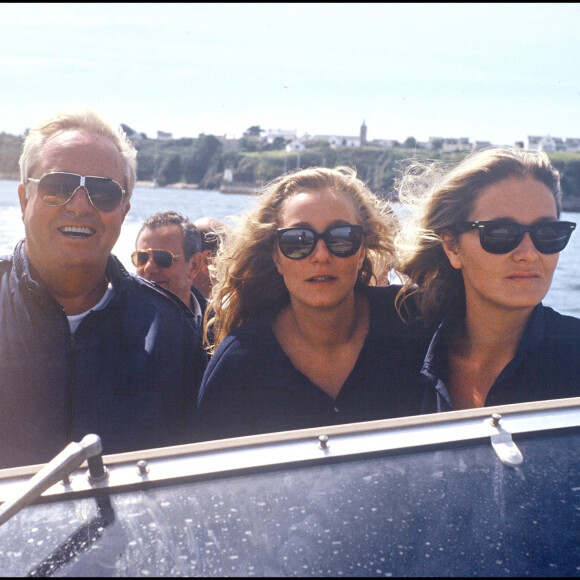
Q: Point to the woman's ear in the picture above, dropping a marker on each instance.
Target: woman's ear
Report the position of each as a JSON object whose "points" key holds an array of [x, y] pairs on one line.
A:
{"points": [[276, 259], [362, 257], [450, 244]]}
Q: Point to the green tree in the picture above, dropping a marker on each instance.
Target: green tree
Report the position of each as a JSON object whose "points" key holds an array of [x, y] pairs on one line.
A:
{"points": [[171, 170], [206, 154], [253, 131], [279, 143], [145, 165], [128, 131], [570, 171]]}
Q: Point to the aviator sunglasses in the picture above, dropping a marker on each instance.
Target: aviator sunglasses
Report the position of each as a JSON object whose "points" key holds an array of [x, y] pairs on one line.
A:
{"points": [[298, 242], [162, 258], [501, 237], [58, 188]]}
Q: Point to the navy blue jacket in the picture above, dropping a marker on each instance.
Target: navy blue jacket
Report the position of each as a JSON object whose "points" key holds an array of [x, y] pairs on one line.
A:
{"points": [[250, 385], [130, 373], [546, 365]]}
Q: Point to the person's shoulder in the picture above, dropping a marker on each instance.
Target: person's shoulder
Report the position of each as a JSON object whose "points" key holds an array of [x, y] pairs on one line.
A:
{"points": [[137, 290], [249, 343], [382, 294], [158, 295], [383, 303], [238, 355], [6, 268], [6, 262], [383, 291], [252, 337], [560, 324], [15, 266]]}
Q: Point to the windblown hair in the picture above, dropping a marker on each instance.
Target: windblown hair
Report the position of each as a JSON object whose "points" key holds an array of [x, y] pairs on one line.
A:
{"points": [[247, 284], [213, 231], [85, 120], [435, 197], [191, 236]]}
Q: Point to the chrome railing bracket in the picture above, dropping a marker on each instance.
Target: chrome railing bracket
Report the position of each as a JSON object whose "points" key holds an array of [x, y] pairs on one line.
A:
{"points": [[503, 444]]}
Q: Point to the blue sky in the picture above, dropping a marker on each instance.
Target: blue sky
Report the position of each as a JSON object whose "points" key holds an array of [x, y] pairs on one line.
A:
{"points": [[495, 72]]}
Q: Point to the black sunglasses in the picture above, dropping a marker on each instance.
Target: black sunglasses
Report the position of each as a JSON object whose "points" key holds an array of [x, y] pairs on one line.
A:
{"points": [[501, 237], [298, 242], [58, 188], [162, 258]]}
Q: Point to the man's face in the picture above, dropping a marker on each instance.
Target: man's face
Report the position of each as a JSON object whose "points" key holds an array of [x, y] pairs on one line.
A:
{"points": [[176, 277], [74, 236]]}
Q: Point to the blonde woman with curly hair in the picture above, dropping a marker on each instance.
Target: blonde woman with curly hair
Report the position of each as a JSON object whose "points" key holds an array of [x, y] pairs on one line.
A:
{"points": [[303, 336], [479, 244]]}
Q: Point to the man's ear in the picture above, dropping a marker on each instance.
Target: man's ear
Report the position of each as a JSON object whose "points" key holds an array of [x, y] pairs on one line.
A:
{"points": [[450, 245], [196, 264], [126, 209], [22, 198]]}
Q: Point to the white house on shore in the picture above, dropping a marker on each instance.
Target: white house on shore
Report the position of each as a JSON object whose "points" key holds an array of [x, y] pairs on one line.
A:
{"points": [[449, 144], [338, 141], [551, 144], [296, 145]]}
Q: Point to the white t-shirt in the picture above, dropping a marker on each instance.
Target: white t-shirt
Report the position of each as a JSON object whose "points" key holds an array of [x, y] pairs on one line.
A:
{"points": [[75, 319], [196, 308]]}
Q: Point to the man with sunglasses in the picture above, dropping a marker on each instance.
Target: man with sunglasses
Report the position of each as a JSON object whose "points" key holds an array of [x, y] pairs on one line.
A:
{"points": [[169, 253], [87, 347]]}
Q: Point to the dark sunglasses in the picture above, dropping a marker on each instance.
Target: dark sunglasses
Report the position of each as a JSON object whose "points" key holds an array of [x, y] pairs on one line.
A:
{"points": [[501, 237], [298, 242], [162, 258], [58, 188]]}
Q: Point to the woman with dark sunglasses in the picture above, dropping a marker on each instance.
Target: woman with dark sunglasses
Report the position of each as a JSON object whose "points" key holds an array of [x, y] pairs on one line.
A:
{"points": [[303, 336], [480, 245]]}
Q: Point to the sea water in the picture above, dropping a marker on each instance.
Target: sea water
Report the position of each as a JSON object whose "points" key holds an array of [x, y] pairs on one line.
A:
{"points": [[564, 294]]}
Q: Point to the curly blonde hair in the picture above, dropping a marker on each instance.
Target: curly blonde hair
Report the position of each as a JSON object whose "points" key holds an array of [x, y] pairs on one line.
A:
{"points": [[435, 196], [247, 284]]}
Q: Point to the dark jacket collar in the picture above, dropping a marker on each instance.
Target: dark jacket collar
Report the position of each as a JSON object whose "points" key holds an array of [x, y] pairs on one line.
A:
{"points": [[435, 357]]}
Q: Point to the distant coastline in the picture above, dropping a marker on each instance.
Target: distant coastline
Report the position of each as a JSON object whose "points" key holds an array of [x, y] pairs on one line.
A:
{"points": [[243, 189], [571, 204], [178, 185], [240, 188]]}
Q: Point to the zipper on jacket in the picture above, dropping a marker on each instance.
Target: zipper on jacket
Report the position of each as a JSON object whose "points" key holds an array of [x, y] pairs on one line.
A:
{"points": [[70, 382]]}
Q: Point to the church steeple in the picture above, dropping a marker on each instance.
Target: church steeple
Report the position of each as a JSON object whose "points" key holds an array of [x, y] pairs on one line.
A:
{"points": [[363, 134]]}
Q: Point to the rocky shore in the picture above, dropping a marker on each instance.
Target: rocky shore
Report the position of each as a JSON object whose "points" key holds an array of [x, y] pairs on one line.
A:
{"points": [[246, 189], [179, 185]]}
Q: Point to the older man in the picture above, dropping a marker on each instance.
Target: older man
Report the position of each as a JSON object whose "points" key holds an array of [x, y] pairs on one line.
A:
{"points": [[87, 347], [209, 228], [168, 252]]}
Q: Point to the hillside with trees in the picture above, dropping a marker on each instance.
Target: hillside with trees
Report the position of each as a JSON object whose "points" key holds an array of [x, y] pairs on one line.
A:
{"points": [[202, 161]]}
